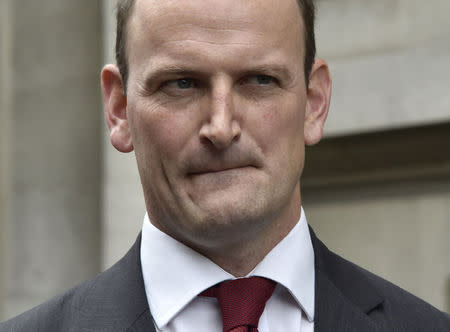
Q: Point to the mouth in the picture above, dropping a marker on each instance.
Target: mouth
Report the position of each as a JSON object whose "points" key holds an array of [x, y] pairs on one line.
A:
{"points": [[218, 170]]}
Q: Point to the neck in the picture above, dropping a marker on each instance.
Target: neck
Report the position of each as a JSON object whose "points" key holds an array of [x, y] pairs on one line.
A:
{"points": [[241, 258]]}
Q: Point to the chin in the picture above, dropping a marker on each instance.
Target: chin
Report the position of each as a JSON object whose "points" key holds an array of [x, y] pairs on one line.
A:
{"points": [[231, 218]]}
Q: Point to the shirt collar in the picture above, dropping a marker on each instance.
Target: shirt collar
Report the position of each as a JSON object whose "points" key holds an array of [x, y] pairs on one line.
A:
{"points": [[177, 274], [291, 264]]}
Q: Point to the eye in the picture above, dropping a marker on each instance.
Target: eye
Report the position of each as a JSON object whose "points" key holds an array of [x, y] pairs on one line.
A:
{"points": [[264, 79], [184, 83], [180, 86], [181, 83], [259, 80]]}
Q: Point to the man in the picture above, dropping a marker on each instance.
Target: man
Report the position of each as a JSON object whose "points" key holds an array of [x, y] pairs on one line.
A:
{"points": [[217, 98]]}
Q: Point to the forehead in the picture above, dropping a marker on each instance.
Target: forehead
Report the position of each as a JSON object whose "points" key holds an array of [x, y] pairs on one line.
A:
{"points": [[177, 27]]}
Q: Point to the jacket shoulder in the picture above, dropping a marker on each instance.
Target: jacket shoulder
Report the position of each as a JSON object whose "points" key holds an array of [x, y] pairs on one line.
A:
{"points": [[57, 314], [405, 311], [399, 310], [111, 301], [389, 306]]}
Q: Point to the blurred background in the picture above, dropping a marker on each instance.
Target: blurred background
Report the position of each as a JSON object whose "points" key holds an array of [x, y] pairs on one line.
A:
{"points": [[376, 189]]}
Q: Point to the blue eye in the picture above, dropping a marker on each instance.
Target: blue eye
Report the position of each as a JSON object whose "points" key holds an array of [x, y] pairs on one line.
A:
{"points": [[180, 87], [264, 79], [184, 83]]}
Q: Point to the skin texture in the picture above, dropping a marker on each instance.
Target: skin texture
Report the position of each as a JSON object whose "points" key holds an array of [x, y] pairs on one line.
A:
{"points": [[218, 115]]}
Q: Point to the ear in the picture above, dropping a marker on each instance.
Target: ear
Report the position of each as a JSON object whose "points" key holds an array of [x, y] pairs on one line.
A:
{"points": [[318, 102], [115, 103]]}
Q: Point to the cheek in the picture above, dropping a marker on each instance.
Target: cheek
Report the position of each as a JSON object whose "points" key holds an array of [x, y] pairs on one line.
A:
{"points": [[170, 132], [279, 125], [158, 134]]}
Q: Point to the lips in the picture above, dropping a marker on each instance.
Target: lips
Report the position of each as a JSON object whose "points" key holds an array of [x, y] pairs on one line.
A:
{"points": [[208, 161], [217, 169]]}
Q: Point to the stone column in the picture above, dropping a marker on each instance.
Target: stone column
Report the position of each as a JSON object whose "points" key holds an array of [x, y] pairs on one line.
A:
{"points": [[4, 139], [53, 148]]}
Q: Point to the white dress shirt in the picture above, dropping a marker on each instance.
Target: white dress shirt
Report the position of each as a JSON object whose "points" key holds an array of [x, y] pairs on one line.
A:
{"points": [[174, 275]]}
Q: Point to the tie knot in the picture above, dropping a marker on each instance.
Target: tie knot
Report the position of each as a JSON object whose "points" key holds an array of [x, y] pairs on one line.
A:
{"points": [[241, 301]]}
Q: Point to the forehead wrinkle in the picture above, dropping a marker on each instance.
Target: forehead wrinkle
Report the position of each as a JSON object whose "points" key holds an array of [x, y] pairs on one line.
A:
{"points": [[199, 33], [205, 51], [175, 37], [207, 42], [188, 53], [184, 42], [250, 53]]}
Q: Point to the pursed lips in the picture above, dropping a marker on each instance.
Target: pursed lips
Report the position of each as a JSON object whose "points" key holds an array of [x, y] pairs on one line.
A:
{"points": [[209, 170]]}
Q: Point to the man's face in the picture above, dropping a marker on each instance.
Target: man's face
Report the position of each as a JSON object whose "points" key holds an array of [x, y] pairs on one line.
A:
{"points": [[216, 103]]}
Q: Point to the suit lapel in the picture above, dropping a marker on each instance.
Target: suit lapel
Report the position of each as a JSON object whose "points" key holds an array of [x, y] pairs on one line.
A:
{"points": [[144, 322], [344, 297], [117, 300], [334, 312]]}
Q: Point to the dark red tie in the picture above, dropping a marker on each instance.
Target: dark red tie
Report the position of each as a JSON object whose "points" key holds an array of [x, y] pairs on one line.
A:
{"points": [[242, 302]]}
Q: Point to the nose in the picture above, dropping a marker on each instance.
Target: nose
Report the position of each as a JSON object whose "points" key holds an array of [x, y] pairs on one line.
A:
{"points": [[222, 127]]}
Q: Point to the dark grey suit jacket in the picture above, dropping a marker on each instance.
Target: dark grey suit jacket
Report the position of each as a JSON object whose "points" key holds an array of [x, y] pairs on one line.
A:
{"points": [[348, 298]]}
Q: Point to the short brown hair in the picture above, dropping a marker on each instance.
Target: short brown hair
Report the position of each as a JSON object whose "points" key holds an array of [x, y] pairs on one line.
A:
{"points": [[125, 9]]}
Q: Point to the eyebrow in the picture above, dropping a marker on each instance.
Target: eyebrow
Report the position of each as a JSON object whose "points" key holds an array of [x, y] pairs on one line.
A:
{"points": [[274, 69], [171, 70]]}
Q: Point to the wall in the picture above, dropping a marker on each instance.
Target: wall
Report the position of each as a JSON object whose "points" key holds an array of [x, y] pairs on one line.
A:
{"points": [[398, 231], [389, 61], [5, 78], [53, 157]]}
